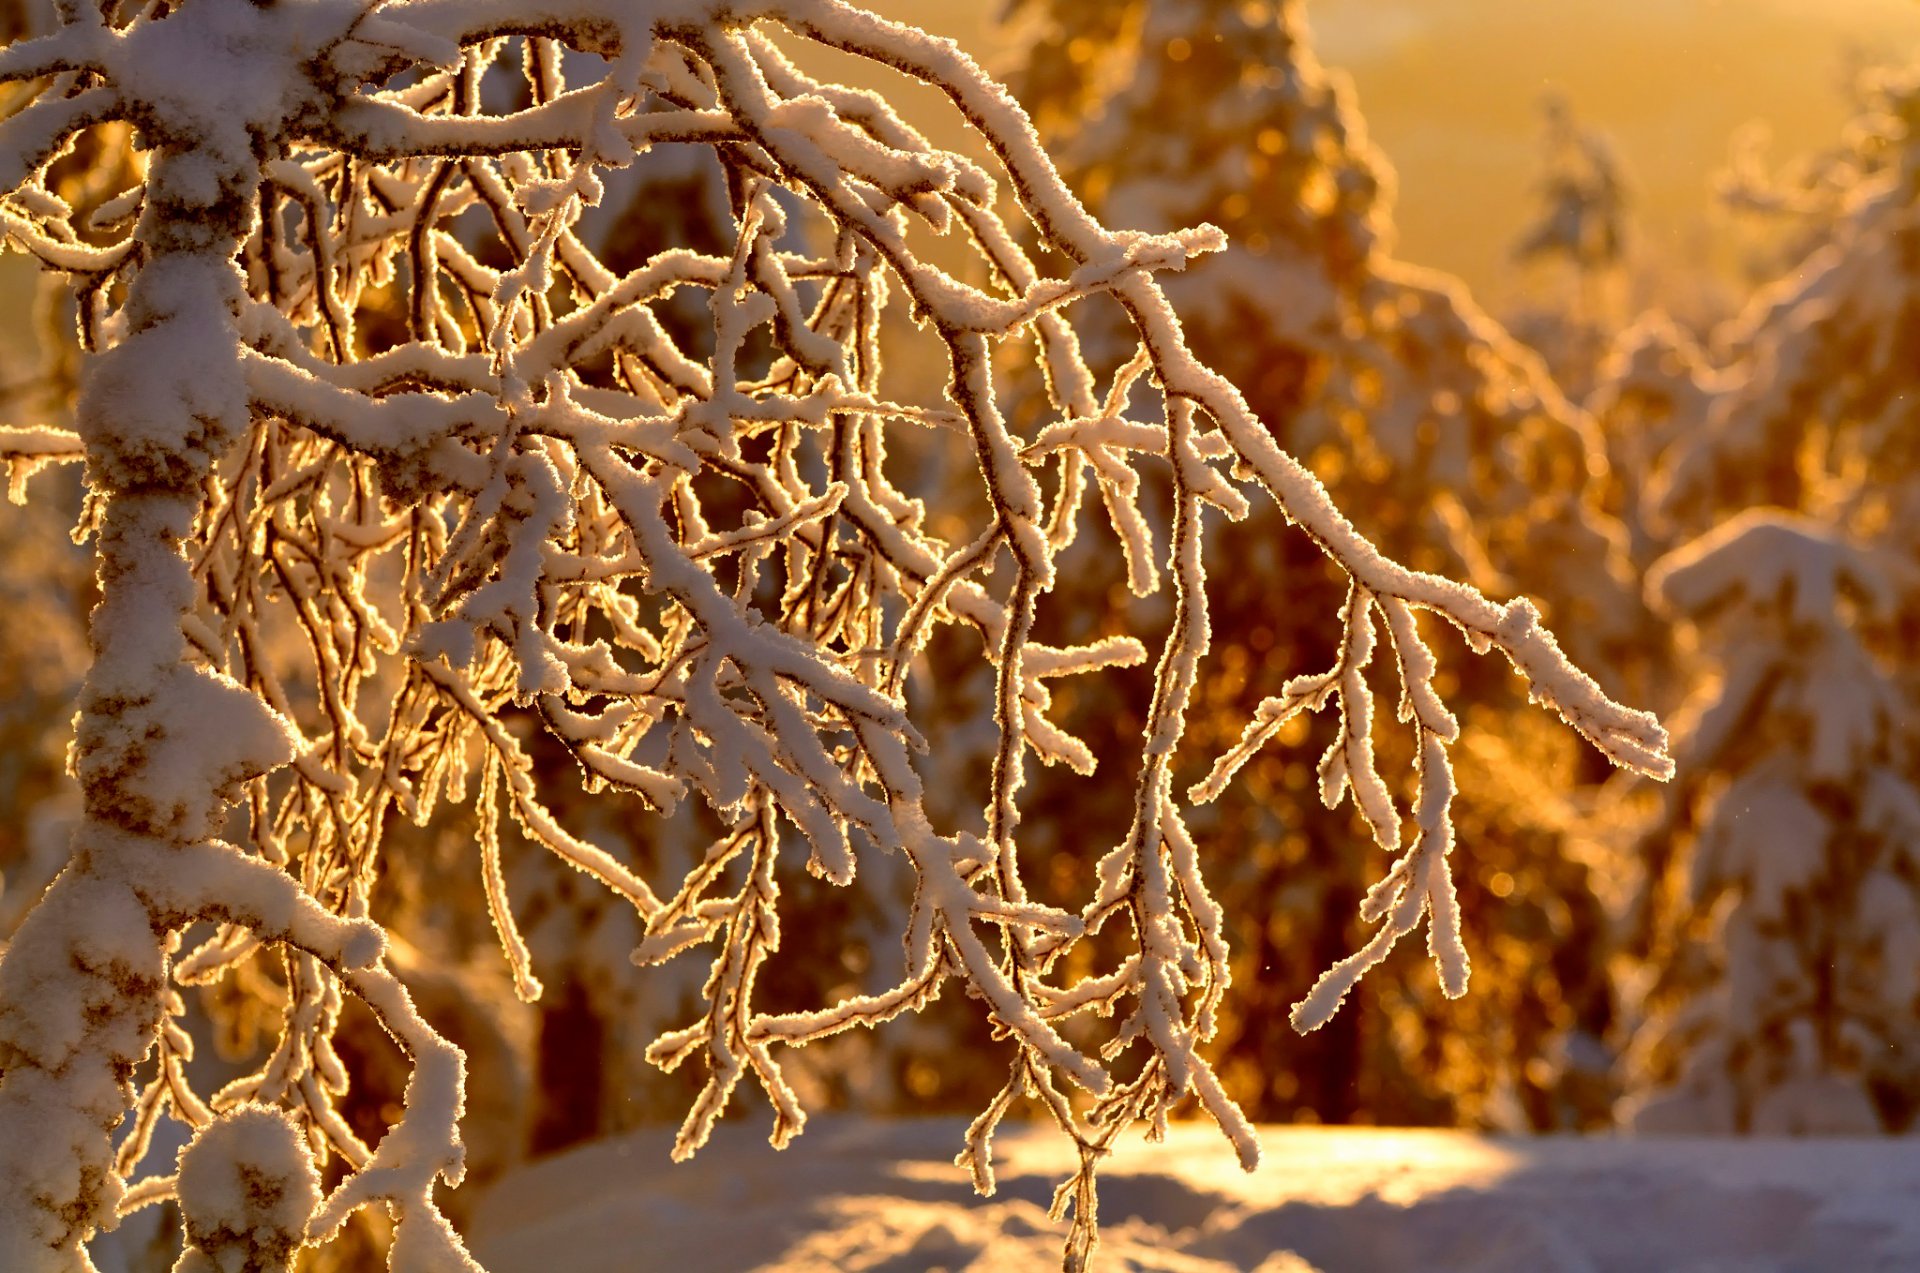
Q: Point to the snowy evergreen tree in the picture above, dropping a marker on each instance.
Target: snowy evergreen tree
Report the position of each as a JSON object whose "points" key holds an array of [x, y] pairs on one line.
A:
{"points": [[1782, 947], [1576, 248], [1818, 408], [1775, 927], [1584, 221]]}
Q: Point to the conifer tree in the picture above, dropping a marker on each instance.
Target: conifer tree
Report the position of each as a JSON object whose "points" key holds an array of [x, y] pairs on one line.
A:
{"points": [[1773, 927], [1782, 946]]}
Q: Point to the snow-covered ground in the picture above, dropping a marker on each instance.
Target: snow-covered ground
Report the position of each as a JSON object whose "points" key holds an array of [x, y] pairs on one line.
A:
{"points": [[854, 1195]]}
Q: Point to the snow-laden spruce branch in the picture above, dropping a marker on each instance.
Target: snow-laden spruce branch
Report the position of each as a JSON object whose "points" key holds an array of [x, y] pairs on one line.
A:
{"points": [[364, 490]]}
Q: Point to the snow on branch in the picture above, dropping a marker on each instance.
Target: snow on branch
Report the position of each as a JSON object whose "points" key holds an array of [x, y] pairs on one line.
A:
{"points": [[371, 494]]}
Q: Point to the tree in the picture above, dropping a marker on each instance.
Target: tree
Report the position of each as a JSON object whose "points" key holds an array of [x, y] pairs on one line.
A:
{"points": [[1584, 220], [1781, 944], [1580, 233], [367, 510]]}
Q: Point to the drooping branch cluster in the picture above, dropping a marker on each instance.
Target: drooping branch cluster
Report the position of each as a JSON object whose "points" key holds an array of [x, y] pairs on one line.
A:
{"points": [[467, 478]]}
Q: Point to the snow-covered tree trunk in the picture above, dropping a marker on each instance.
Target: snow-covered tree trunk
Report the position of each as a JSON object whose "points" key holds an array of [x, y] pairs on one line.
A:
{"points": [[162, 746]]}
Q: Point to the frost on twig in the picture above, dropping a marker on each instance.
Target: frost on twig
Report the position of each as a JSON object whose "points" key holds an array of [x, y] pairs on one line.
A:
{"points": [[370, 493]]}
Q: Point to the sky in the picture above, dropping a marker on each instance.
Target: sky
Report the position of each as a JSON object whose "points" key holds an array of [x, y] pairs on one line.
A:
{"points": [[1451, 90]]}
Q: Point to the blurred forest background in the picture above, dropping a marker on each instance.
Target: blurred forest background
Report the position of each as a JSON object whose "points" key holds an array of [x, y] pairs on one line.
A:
{"points": [[1613, 304]]}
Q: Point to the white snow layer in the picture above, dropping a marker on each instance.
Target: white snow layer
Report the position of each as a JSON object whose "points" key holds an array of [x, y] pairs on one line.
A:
{"points": [[868, 1196]]}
